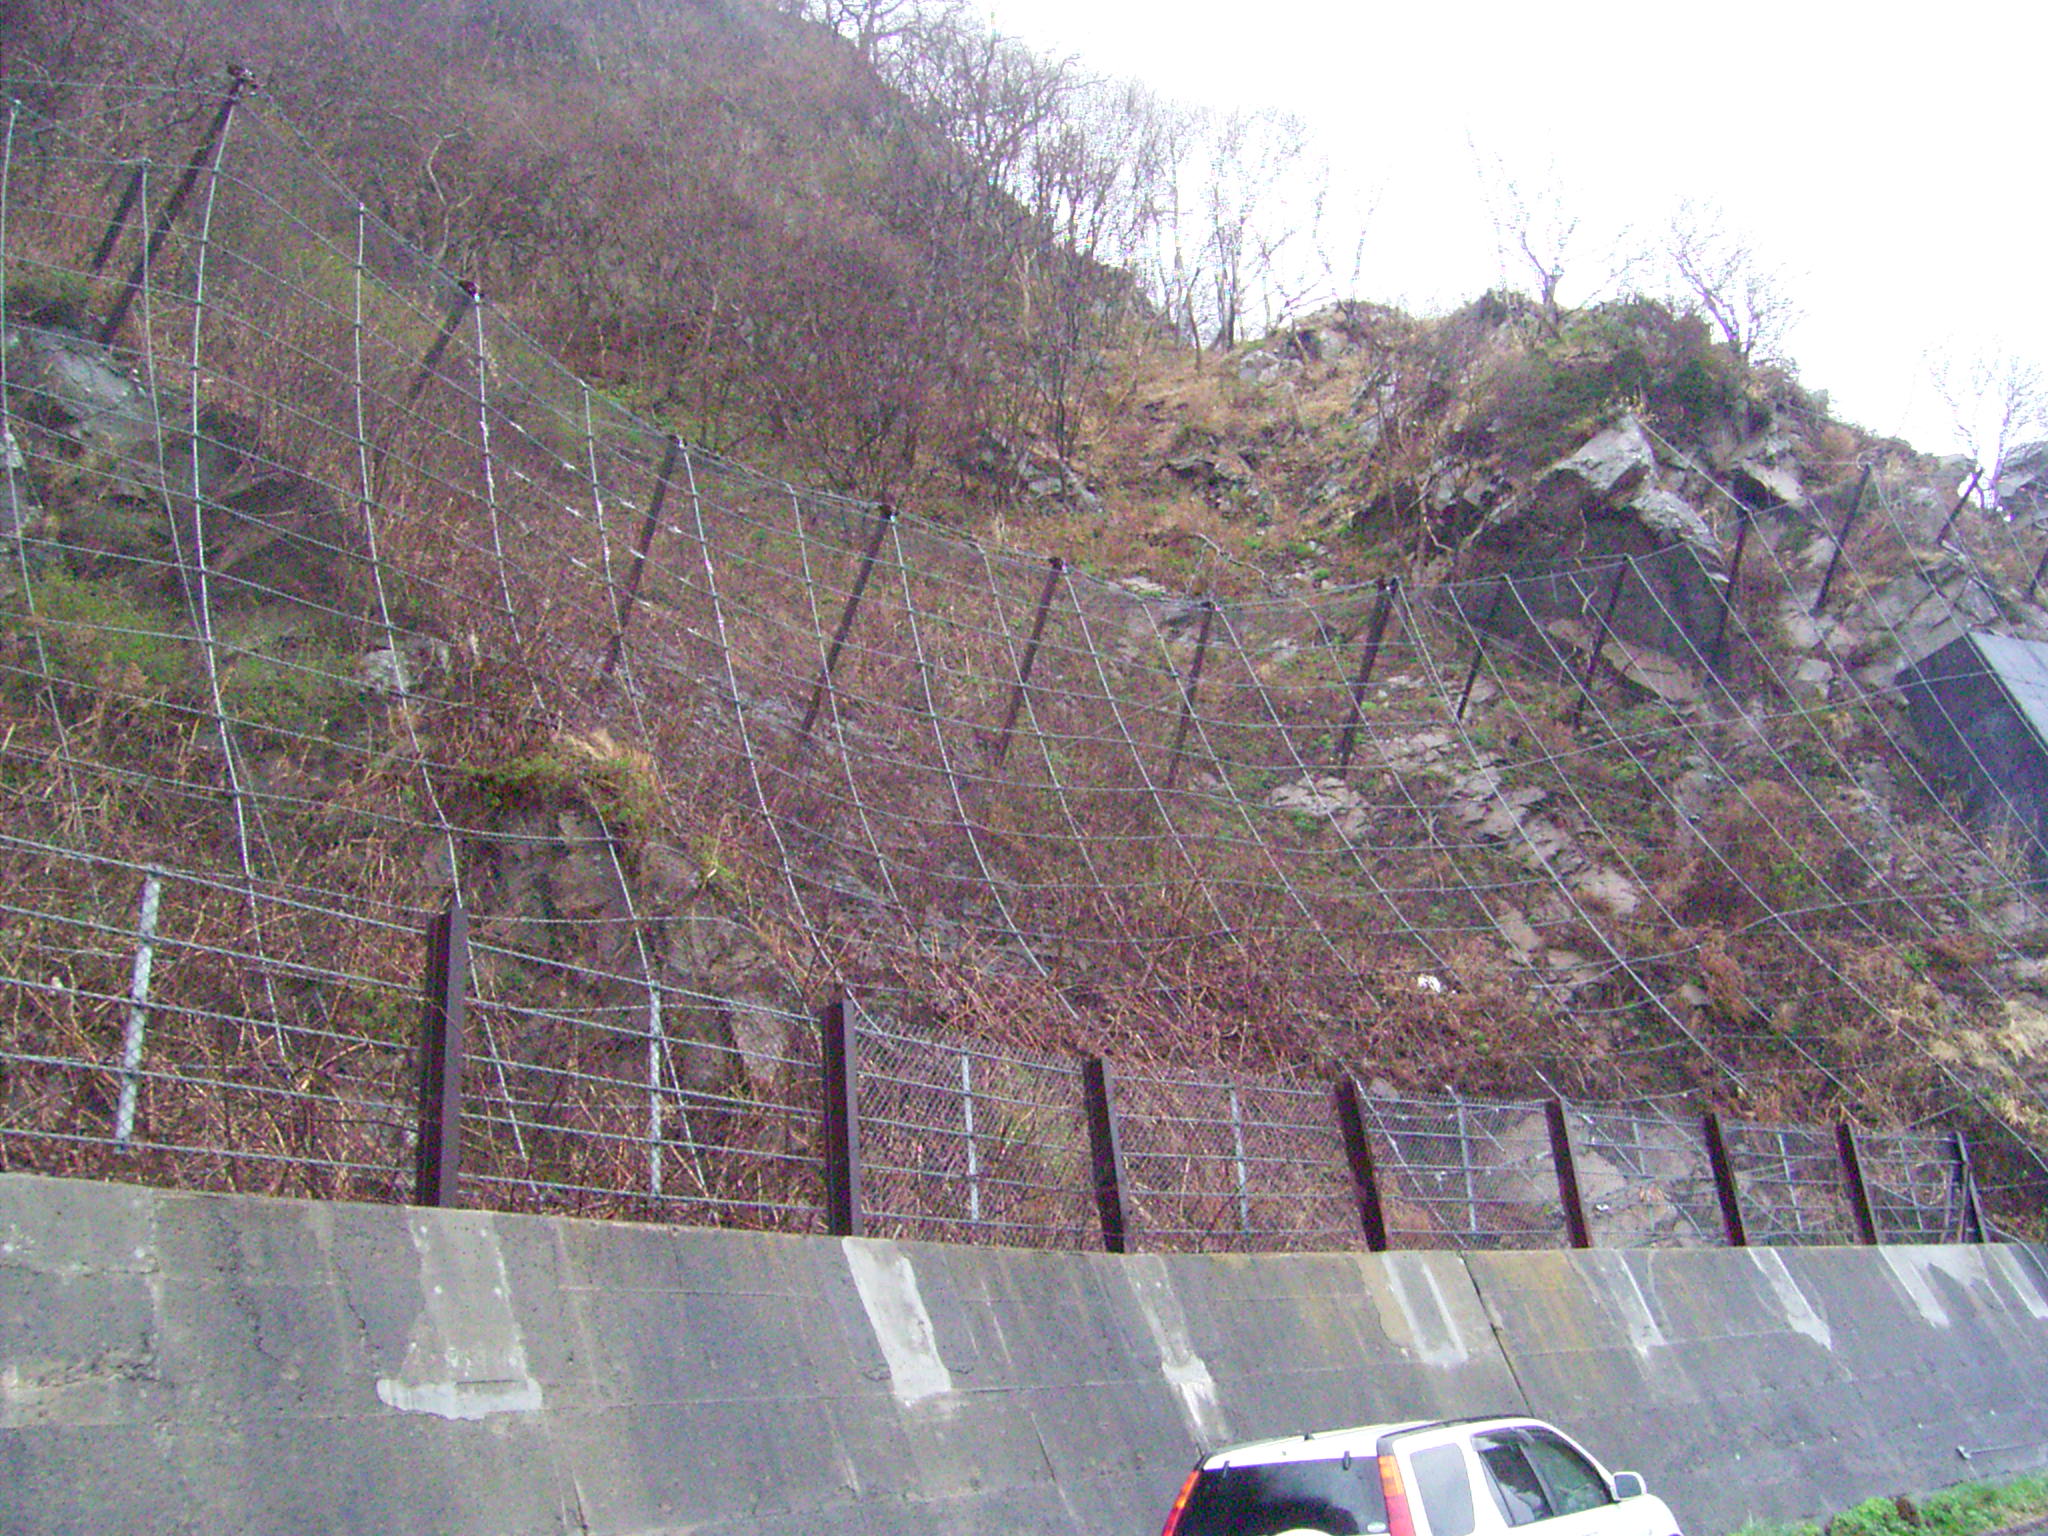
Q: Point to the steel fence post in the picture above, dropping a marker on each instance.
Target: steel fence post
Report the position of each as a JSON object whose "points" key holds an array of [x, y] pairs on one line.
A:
{"points": [[843, 1214], [1860, 1210], [1365, 1184], [119, 222], [1962, 501], [1500, 592], [471, 297], [1188, 689], [1562, 1158], [885, 514], [1106, 1154], [629, 599], [1052, 581], [1973, 1210], [1382, 610], [437, 1153], [1827, 579], [1599, 644], [1725, 1190], [1717, 653], [241, 80]]}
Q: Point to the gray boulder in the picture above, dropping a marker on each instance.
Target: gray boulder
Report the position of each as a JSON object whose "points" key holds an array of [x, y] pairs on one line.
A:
{"points": [[1559, 545], [73, 385], [1606, 471], [269, 531], [2021, 487], [18, 506]]}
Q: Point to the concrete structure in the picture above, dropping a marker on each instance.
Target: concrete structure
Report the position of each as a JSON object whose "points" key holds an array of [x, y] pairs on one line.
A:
{"points": [[189, 1363]]}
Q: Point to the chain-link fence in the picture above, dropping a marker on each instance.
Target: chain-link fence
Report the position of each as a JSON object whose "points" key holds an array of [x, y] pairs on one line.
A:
{"points": [[960, 1144], [1646, 1178], [1231, 1164], [1788, 1180], [1919, 1190], [1462, 1174]]}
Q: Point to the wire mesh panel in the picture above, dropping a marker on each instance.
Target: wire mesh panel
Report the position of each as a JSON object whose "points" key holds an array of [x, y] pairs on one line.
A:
{"points": [[1645, 1178], [1237, 1164], [663, 1105], [1462, 1174], [151, 1041], [1916, 1186], [963, 1145], [1790, 1182]]}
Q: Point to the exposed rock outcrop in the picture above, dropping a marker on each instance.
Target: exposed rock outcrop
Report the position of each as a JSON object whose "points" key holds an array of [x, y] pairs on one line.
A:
{"points": [[126, 476], [1560, 545]]}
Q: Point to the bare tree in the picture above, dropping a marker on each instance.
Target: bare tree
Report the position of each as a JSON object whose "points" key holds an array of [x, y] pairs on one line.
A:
{"points": [[1720, 274], [1998, 404], [872, 26], [1534, 230], [1223, 222]]}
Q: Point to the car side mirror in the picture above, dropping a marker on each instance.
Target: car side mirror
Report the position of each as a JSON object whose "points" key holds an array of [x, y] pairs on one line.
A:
{"points": [[1629, 1485]]}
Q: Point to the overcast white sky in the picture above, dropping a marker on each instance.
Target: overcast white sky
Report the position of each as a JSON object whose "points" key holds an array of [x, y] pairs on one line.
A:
{"points": [[1888, 161]]}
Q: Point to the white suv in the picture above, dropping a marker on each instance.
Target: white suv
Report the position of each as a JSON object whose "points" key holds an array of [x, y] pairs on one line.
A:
{"points": [[1435, 1477]]}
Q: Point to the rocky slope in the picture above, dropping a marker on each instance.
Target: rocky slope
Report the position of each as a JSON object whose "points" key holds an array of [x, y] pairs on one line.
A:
{"points": [[1624, 804]]}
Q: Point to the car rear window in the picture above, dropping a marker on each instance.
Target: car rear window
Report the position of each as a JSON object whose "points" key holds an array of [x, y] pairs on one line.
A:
{"points": [[1341, 1496], [1445, 1489]]}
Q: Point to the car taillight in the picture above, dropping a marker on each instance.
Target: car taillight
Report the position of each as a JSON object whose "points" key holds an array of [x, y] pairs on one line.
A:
{"points": [[1180, 1504], [1399, 1521]]}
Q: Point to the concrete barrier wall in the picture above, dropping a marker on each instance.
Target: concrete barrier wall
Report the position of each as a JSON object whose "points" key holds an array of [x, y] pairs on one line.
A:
{"points": [[174, 1362]]}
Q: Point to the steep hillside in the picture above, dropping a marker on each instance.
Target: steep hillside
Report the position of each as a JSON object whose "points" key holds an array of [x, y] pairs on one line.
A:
{"points": [[715, 209], [1501, 702]]}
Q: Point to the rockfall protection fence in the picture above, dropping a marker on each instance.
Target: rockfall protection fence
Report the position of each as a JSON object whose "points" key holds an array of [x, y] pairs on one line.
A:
{"points": [[328, 595], [853, 1128]]}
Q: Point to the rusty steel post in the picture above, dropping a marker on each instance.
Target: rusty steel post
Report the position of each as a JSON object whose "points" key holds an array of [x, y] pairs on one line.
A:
{"points": [[1105, 1153], [1719, 654], [885, 514], [839, 1062], [1188, 689], [1725, 1190], [1382, 610], [1052, 578], [1365, 1183], [1827, 579], [437, 1152], [1860, 1210], [1962, 501], [241, 79], [1500, 593], [118, 224], [1973, 1211], [629, 599], [2034, 582], [471, 297], [1566, 1163], [1599, 643]]}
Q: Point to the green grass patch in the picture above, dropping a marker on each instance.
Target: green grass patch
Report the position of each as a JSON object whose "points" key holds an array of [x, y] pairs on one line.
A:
{"points": [[1966, 1509]]}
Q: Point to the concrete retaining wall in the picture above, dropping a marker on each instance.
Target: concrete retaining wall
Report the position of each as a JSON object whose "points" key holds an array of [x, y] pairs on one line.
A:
{"points": [[186, 1363]]}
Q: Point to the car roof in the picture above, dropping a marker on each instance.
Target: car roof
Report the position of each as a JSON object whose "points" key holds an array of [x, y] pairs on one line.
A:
{"points": [[1323, 1444]]}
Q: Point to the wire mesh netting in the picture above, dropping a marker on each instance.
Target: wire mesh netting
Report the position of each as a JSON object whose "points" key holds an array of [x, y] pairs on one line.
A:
{"points": [[1460, 1174], [677, 1107], [1789, 1182], [965, 1145], [1918, 1186], [1646, 1179], [329, 597], [1232, 1164]]}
